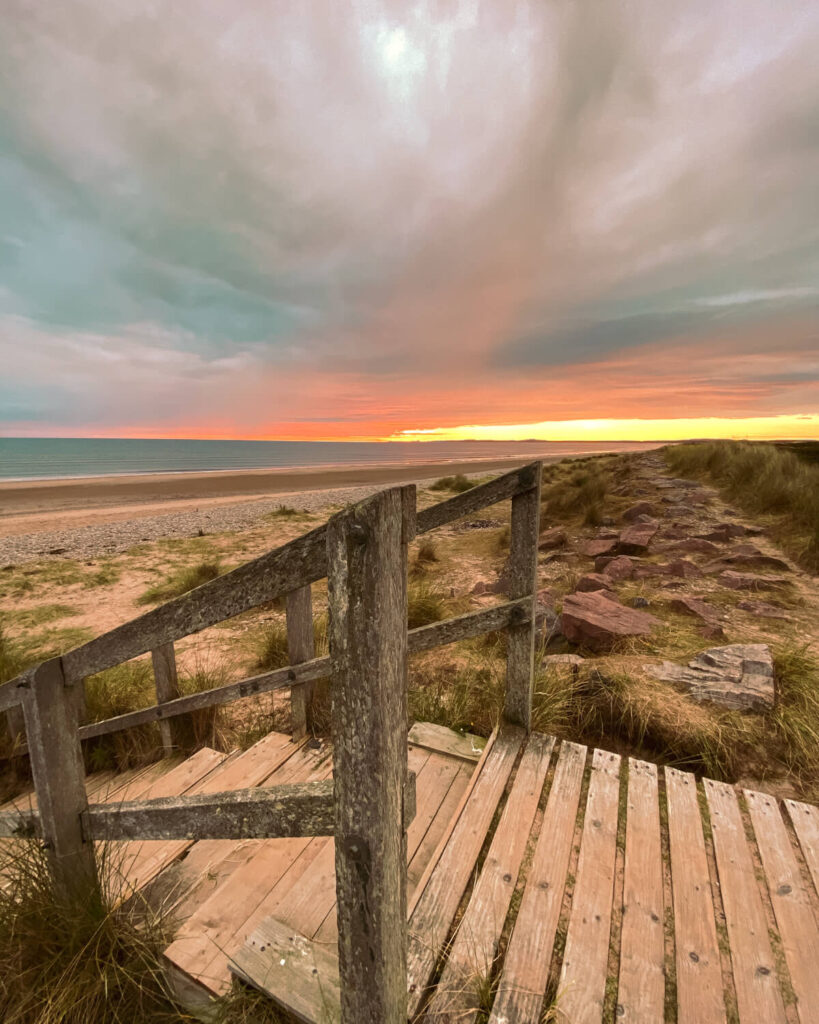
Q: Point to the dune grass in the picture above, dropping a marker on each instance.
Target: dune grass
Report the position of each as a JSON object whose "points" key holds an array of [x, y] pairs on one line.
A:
{"points": [[425, 604], [761, 479], [458, 483], [575, 494], [84, 958], [269, 644], [182, 582]]}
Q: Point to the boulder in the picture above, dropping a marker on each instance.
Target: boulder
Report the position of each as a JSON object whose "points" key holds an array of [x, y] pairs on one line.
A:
{"points": [[593, 581], [636, 539], [746, 581], [642, 508], [739, 676], [723, 532], [683, 568], [596, 620], [620, 567], [603, 546], [551, 539]]}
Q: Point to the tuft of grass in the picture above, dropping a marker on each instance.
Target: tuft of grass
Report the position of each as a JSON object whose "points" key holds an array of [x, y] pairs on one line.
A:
{"points": [[285, 512], [15, 656], [270, 644], [464, 697], [425, 604], [796, 715], [38, 615], [242, 1004], [83, 958], [105, 577], [458, 483], [580, 496], [427, 551], [181, 582], [761, 479]]}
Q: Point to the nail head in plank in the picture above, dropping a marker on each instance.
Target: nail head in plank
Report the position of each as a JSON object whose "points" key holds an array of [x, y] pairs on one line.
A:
{"points": [[700, 998], [752, 959]]}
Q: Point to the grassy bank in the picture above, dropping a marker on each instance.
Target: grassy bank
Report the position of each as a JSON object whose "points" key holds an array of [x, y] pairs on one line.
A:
{"points": [[762, 480]]}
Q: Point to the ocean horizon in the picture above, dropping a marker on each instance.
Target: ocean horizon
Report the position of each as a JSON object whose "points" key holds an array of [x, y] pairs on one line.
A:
{"points": [[46, 458]]}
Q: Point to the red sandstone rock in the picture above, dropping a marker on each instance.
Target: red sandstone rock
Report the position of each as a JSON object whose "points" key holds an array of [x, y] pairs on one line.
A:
{"points": [[636, 539], [619, 568], [746, 581], [694, 546], [593, 581], [597, 621], [551, 539], [604, 546], [642, 508]]}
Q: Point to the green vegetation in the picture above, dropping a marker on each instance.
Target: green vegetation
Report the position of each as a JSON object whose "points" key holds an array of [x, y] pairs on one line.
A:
{"points": [[107, 575], [38, 615], [15, 656], [86, 958], [425, 604], [286, 512], [270, 644], [183, 581], [463, 697], [580, 495], [458, 483], [427, 551], [761, 479]]}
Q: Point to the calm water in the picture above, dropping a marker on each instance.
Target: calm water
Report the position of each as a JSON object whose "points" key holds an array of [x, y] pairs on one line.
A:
{"points": [[44, 457]]}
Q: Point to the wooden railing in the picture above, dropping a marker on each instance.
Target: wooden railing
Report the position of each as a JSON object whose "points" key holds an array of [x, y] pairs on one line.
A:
{"points": [[371, 801]]}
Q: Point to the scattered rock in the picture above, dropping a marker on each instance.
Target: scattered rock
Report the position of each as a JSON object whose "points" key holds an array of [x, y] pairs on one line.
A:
{"points": [[700, 497], [642, 508], [688, 605], [724, 532], [767, 611], [562, 659], [639, 602], [746, 581], [594, 581], [694, 546], [755, 560], [737, 676], [637, 538], [620, 567], [647, 570], [683, 568], [547, 624], [596, 620], [551, 539], [605, 546]]}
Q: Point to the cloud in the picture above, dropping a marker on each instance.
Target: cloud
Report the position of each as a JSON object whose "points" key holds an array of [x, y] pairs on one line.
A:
{"points": [[361, 213]]}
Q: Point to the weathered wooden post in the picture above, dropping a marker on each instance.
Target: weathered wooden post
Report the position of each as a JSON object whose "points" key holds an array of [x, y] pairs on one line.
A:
{"points": [[50, 710], [172, 730], [521, 577], [300, 647], [367, 581]]}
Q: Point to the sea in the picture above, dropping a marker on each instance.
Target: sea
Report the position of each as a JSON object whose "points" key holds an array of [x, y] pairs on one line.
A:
{"points": [[43, 458]]}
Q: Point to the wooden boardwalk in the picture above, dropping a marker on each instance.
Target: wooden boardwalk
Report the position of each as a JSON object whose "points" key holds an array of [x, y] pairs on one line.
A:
{"points": [[541, 875]]}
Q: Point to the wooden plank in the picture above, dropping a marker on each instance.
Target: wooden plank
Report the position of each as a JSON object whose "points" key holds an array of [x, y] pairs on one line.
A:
{"points": [[446, 741], [295, 564], [425, 854], [641, 990], [163, 660], [471, 957], [420, 639], [805, 820], [473, 500], [248, 769], [300, 809], [522, 985], [585, 962], [279, 679], [301, 647], [521, 582], [367, 598], [461, 627], [299, 975], [437, 903], [791, 903], [752, 959], [59, 775], [699, 974], [187, 883]]}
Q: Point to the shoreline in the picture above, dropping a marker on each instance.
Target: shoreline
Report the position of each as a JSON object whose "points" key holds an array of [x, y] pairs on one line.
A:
{"points": [[69, 496]]}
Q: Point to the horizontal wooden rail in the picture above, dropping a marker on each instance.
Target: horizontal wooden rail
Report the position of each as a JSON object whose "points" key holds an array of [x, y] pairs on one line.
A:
{"points": [[462, 627], [473, 500], [11, 693], [279, 812]]}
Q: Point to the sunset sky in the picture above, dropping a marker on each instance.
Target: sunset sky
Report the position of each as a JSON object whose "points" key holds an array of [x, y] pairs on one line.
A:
{"points": [[363, 220]]}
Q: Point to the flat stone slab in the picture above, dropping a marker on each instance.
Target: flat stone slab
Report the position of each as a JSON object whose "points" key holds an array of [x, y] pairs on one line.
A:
{"points": [[746, 581], [619, 568], [596, 620], [767, 611], [642, 508], [739, 676], [636, 539], [594, 581], [551, 539], [572, 660], [603, 546], [693, 546]]}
